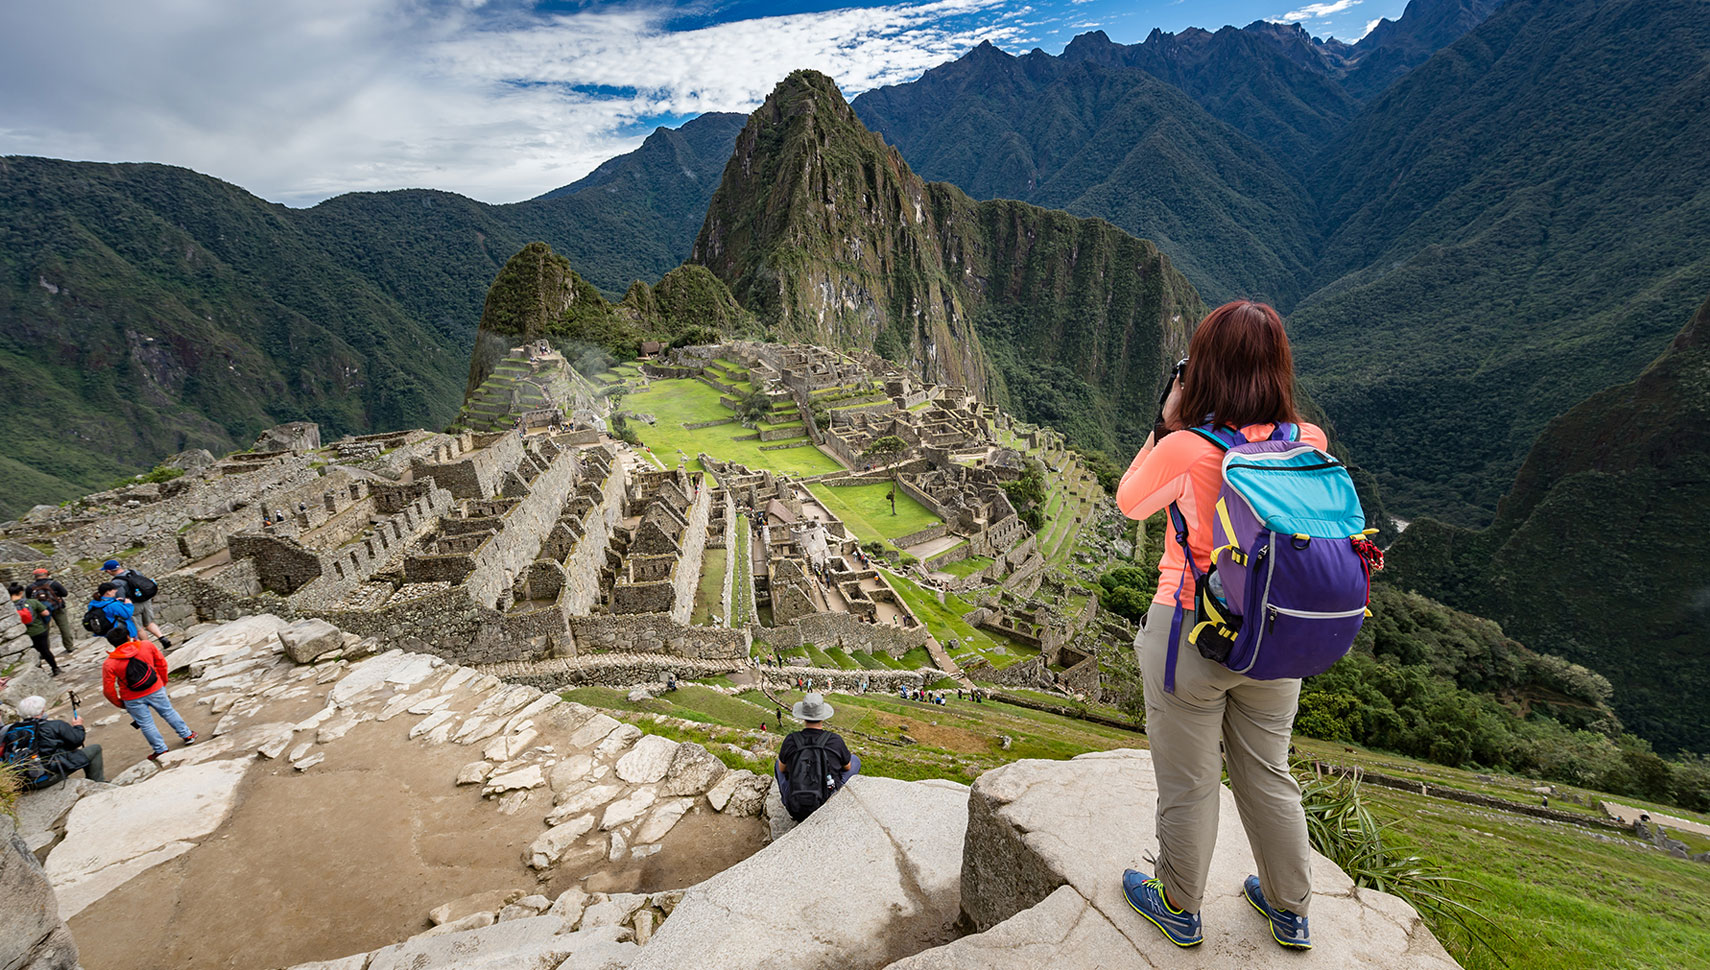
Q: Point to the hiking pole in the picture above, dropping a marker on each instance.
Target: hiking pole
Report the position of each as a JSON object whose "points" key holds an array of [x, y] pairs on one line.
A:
{"points": [[73, 695]]}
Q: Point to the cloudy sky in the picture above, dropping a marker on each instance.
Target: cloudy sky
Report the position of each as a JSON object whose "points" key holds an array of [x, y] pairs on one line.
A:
{"points": [[299, 100]]}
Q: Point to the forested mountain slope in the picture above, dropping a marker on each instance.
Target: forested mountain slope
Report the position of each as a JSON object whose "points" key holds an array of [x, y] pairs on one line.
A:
{"points": [[1107, 140], [1515, 224], [1464, 253], [145, 308], [825, 234], [1594, 552]]}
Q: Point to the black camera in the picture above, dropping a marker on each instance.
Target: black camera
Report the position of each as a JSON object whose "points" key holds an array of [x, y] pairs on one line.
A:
{"points": [[1169, 383]]}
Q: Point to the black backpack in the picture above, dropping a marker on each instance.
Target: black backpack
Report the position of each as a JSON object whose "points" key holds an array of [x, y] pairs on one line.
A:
{"points": [[139, 676], [98, 621], [21, 751], [43, 592], [142, 588], [812, 775]]}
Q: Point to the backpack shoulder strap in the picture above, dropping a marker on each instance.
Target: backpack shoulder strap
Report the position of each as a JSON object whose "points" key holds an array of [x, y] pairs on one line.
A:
{"points": [[1286, 431], [1221, 435]]}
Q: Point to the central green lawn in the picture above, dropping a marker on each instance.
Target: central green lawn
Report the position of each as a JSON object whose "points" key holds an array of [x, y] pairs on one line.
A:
{"points": [[675, 403], [867, 513]]}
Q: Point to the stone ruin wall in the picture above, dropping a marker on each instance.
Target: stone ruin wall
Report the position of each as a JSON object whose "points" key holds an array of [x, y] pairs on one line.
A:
{"points": [[847, 631], [848, 681], [658, 633], [478, 473], [616, 670], [504, 557]]}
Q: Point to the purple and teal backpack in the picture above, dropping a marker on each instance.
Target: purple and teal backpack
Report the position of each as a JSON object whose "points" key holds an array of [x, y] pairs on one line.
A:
{"points": [[1290, 573]]}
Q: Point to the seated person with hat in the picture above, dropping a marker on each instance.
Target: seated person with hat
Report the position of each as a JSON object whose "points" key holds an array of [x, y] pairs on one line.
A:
{"points": [[813, 763]]}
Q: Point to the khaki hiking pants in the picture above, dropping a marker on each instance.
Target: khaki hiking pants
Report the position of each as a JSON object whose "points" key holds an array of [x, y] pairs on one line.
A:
{"points": [[1254, 719]]}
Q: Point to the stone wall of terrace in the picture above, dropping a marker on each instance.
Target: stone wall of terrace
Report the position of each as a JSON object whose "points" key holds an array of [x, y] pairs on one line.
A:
{"points": [[658, 633], [478, 468], [848, 631], [499, 561]]}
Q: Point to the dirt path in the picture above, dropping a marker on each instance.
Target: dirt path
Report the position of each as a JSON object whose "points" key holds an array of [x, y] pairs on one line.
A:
{"points": [[315, 865], [1630, 813]]}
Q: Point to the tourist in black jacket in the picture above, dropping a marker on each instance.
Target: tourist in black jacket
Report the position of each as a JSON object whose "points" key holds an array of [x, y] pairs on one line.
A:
{"points": [[58, 746]]}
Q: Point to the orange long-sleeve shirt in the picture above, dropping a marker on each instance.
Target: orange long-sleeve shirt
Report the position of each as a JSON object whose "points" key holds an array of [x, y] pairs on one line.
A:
{"points": [[113, 671], [1188, 470]]}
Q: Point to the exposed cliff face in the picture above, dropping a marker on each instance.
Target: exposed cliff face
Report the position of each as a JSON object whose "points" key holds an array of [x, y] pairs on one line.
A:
{"points": [[1594, 553], [823, 232]]}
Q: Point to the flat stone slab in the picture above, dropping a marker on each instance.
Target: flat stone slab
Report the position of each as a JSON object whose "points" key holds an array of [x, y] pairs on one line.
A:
{"points": [[536, 943], [115, 834], [648, 761], [871, 877], [1037, 827], [228, 638], [39, 811]]}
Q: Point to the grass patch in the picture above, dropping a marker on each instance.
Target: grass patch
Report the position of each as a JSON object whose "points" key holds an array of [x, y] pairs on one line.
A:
{"points": [[674, 403], [709, 596], [946, 623], [867, 512], [963, 568]]}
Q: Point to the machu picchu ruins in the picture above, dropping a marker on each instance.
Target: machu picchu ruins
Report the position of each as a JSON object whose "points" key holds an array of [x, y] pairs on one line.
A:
{"points": [[533, 534]]}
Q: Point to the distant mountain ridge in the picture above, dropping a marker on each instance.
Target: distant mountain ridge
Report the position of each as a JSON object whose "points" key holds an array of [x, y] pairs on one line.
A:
{"points": [[1592, 555], [1446, 247], [145, 309]]}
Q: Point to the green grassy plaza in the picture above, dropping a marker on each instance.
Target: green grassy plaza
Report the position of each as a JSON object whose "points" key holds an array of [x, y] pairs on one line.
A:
{"points": [[674, 403], [867, 513]]}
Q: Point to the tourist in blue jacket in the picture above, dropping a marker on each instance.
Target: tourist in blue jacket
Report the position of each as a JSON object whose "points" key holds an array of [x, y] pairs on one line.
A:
{"points": [[120, 612]]}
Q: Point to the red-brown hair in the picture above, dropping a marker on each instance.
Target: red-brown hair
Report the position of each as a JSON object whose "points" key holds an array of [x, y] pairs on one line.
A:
{"points": [[1240, 370]]}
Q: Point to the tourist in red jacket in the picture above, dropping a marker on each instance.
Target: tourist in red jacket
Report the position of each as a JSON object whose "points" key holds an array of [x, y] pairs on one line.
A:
{"points": [[134, 678]]}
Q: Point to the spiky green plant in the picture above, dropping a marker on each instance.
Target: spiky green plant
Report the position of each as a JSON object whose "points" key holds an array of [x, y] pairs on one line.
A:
{"points": [[1343, 829]]}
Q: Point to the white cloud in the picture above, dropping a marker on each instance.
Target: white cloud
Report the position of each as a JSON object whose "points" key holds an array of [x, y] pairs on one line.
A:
{"points": [[1371, 25], [1314, 10], [300, 101]]}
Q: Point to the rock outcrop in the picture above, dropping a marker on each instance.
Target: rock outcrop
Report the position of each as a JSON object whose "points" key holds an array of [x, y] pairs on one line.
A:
{"points": [[1047, 843], [32, 935], [870, 877]]}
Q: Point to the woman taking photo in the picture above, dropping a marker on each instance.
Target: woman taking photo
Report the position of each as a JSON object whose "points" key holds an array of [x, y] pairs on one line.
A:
{"points": [[1239, 374]]}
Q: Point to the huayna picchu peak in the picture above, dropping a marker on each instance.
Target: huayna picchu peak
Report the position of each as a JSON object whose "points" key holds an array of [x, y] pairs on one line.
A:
{"points": [[825, 234]]}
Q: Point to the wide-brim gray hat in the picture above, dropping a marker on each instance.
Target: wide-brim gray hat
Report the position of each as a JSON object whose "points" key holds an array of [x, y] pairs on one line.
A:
{"points": [[812, 708]]}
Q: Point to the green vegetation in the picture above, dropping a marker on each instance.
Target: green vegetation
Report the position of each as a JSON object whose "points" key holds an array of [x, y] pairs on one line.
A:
{"points": [[1430, 682], [867, 512], [1340, 826], [1592, 555], [356, 314], [709, 596], [742, 586], [963, 568], [946, 623], [1561, 897], [158, 475], [674, 403], [11, 787]]}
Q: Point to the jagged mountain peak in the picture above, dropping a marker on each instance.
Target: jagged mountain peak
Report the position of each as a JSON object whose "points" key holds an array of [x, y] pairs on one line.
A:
{"points": [[826, 235]]}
